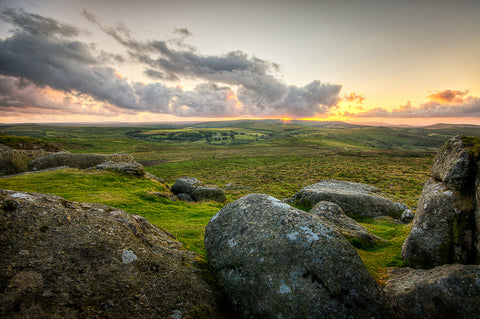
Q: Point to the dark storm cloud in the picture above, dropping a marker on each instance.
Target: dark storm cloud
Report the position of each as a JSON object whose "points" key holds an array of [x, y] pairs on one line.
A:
{"points": [[42, 53], [447, 103]]}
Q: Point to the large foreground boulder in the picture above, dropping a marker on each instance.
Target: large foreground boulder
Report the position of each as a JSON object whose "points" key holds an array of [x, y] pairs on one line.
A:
{"points": [[449, 291], [443, 228], [275, 261], [354, 198], [332, 215], [81, 161], [62, 259]]}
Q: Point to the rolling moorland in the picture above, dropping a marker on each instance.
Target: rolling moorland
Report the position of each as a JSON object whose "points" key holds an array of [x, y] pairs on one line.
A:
{"points": [[273, 157]]}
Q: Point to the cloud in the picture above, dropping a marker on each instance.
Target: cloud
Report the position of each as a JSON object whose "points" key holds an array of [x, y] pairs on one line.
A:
{"points": [[42, 55], [36, 24], [447, 103], [448, 97], [354, 97], [257, 86]]}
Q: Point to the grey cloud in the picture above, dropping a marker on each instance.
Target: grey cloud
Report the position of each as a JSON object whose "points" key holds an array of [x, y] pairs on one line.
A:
{"points": [[252, 75], [25, 97], [43, 53], [36, 24]]}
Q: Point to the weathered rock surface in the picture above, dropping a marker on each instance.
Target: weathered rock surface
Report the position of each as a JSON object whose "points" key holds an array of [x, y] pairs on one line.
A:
{"points": [[452, 165], [446, 226], [332, 215], [209, 193], [13, 161], [355, 199], [442, 231], [128, 168], [477, 215], [62, 259], [185, 185], [81, 161], [191, 189], [275, 261], [449, 291]]}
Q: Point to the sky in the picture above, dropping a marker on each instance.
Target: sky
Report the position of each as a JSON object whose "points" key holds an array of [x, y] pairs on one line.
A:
{"points": [[397, 62]]}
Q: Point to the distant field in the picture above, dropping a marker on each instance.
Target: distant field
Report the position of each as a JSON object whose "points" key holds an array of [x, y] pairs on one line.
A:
{"points": [[243, 157]]}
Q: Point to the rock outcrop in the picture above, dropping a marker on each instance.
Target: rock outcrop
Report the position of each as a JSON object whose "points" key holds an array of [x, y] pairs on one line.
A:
{"points": [[62, 259], [444, 230], [275, 261], [354, 198], [452, 165], [127, 168], [332, 215], [81, 161], [13, 161], [449, 291], [191, 189]]}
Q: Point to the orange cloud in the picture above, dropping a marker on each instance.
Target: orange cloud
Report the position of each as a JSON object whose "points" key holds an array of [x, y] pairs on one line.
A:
{"points": [[354, 97], [448, 96]]}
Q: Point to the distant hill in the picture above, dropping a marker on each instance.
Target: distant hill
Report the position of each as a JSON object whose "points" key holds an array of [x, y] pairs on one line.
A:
{"points": [[443, 126]]}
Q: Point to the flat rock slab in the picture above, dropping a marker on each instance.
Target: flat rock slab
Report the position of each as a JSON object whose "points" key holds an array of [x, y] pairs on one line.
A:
{"points": [[355, 199], [127, 168], [449, 291], [62, 259]]}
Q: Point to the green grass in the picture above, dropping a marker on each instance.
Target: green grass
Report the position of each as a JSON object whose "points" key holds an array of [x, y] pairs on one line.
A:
{"points": [[379, 259], [186, 221], [264, 157]]}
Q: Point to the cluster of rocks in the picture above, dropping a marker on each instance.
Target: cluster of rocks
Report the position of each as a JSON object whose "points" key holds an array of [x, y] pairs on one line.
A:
{"points": [[271, 260], [14, 161], [276, 261], [62, 259], [444, 243], [191, 189]]}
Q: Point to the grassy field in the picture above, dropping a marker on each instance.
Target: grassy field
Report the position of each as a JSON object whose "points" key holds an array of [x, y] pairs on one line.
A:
{"points": [[262, 157]]}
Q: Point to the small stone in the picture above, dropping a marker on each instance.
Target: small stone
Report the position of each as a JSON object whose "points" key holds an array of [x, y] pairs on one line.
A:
{"points": [[407, 216]]}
